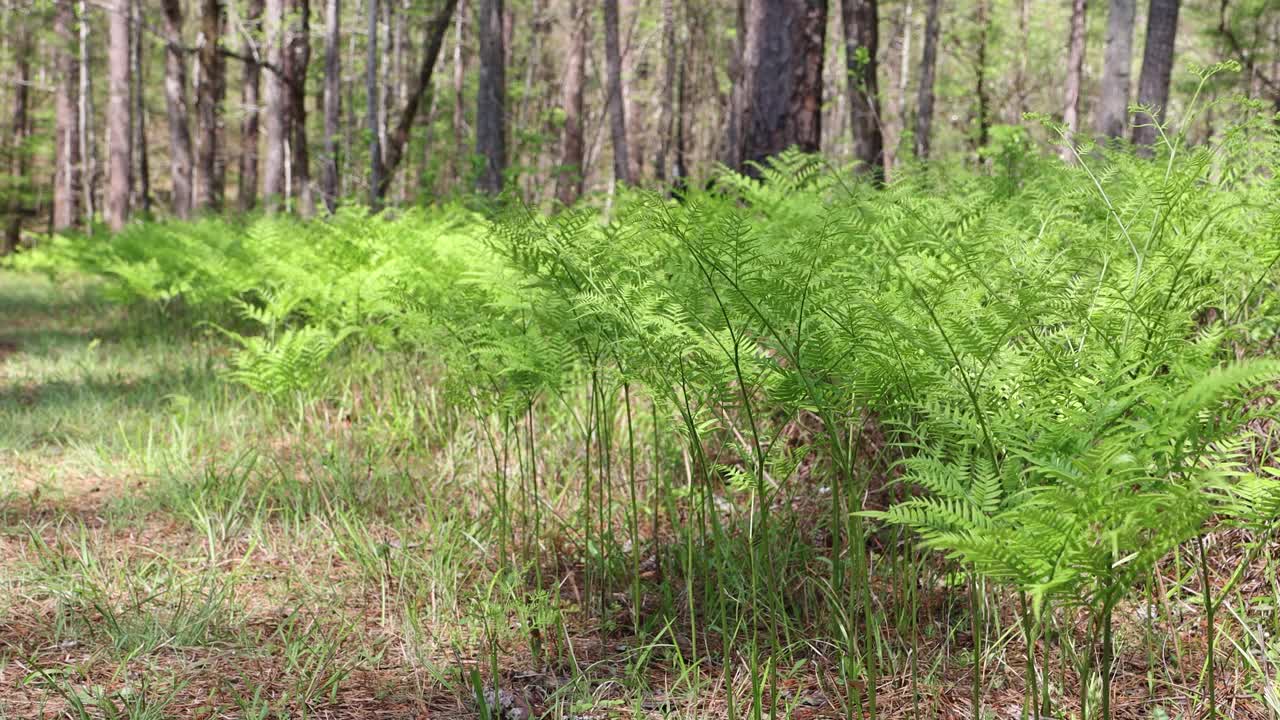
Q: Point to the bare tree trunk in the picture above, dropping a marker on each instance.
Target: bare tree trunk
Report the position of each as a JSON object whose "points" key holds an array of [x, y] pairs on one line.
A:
{"points": [[139, 128], [569, 180], [118, 113], [617, 110], [88, 148], [66, 186], [19, 132], [249, 124], [175, 83], [1075, 72], [459, 107], [399, 138], [980, 83], [491, 103], [332, 103], [861, 42], [276, 121], [928, 69], [731, 152], [211, 92], [371, 92], [296, 57], [1157, 68], [667, 92], [1113, 104]]}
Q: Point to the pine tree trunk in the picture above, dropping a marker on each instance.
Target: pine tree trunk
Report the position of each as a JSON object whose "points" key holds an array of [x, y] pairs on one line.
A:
{"points": [[983, 110], [66, 186], [491, 100], [275, 122], [296, 58], [617, 109], [332, 103], [88, 148], [861, 42], [211, 92], [18, 134], [736, 115], [393, 153], [1113, 103], [371, 93], [569, 180], [143, 177], [250, 86], [1157, 68], [459, 104], [175, 83], [118, 114], [1075, 72], [667, 91], [928, 70]]}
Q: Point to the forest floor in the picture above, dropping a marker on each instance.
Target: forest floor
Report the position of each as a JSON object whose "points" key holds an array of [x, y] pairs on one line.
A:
{"points": [[173, 546]]}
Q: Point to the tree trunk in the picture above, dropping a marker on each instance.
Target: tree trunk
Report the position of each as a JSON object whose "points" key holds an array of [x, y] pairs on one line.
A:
{"points": [[861, 43], [296, 58], [928, 70], [139, 78], [250, 85], [617, 110], [731, 152], [211, 92], [88, 148], [371, 93], [66, 186], [569, 180], [1113, 104], [332, 103], [19, 132], [175, 83], [1157, 67], [399, 138], [782, 69], [667, 92], [118, 113], [983, 112], [491, 100], [276, 121], [1075, 72], [459, 105]]}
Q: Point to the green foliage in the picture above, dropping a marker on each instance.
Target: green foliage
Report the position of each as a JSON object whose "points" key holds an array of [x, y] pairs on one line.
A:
{"points": [[1060, 355]]}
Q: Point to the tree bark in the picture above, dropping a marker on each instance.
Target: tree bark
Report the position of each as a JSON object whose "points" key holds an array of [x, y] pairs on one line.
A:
{"points": [[491, 100], [983, 112], [459, 104], [399, 138], [296, 58], [332, 103], [1113, 103], [66, 186], [274, 103], [861, 42], [731, 152], [19, 132], [928, 70], [782, 69], [175, 83], [250, 86], [1157, 68], [210, 95], [118, 114], [667, 92], [371, 92], [569, 179], [1075, 72], [88, 148], [139, 78], [617, 110]]}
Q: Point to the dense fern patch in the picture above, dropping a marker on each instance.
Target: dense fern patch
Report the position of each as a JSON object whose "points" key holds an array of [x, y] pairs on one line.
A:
{"points": [[1040, 372]]}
